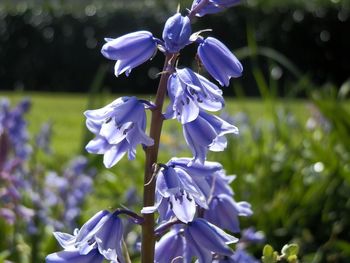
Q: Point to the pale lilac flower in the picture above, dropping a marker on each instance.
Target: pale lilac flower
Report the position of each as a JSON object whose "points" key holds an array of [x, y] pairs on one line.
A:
{"points": [[130, 50], [204, 238], [251, 236], [101, 236], [219, 60], [14, 127], [198, 239], [172, 247], [176, 33], [119, 127], [224, 211], [177, 191], [8, 215], [85, 239], [205, 133], [66, 193], [214, 6], [189, 92]]}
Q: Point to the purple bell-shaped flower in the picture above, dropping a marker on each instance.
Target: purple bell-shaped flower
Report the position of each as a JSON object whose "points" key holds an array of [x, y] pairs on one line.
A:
{"points": [[224, 211], [130, 50], [219, 60], [205, 133], [204, 239], [119, 127], [176, 191], [214, 6], [189, 92], [176, 33], [69, 256]]}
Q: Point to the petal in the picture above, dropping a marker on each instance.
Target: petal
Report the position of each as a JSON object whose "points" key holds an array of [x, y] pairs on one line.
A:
{"points": [[183, 207], [115, 153], [128, 45], [74, 256], [204, 255], [114, 134], [91, 226], [65, 240], [169, 247], [98, 145], [109, 239], [209, 236], [219, 61]]}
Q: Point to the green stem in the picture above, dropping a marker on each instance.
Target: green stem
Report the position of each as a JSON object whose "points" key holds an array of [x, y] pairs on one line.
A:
{"points": [[148, 237]]}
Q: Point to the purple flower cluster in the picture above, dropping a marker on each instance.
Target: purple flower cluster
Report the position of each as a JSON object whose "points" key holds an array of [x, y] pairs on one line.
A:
{"points": [[66, 193], [14, 151], [193, 196]]}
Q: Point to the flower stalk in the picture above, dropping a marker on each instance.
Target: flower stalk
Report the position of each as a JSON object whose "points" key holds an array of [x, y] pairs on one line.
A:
{"points": [[148, 237]]}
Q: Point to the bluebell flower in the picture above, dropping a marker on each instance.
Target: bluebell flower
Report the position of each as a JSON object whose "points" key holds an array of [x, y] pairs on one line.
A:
{"points": [[172, 247], [219, 60], [119, 127], [99, 238], [251, 236], [85, 239], [65, 193], [205, 133], [13, 126], [109, 239], [177, 191], [176, 33], [214, 6], [198, 239], [130, 50], [69, 256], [224, 211], [204, 238], [201, 174], [189, 92]]}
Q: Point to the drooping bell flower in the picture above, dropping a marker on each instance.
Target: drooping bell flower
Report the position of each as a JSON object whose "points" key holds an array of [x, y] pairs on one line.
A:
{"points": [[204, 238], [189, 92], [176, 190], [172, 246], [99, 238], [200, 173], [205, 133], [176, 33], [218, 60], [224, 211], [119, 127], [130, 50], [214, 6], [109, 239]]}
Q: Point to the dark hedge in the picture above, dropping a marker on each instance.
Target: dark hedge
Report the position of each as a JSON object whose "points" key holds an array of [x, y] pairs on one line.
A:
{"points": [[44, 51]]}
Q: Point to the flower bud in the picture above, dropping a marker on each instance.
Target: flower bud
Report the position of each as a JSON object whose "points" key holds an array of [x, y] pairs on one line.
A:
{"points": [[176, 33]]}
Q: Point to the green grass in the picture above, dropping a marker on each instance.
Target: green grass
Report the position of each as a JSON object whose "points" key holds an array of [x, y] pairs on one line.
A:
{"points": [[65, 112]]}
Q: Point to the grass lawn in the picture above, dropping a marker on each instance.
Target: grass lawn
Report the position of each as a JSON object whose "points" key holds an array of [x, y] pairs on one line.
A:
{"points": [[65, 112]]}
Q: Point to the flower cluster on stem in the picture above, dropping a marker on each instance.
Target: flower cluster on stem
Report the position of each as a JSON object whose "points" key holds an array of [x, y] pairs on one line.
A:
{"points": [[191, 195]]}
